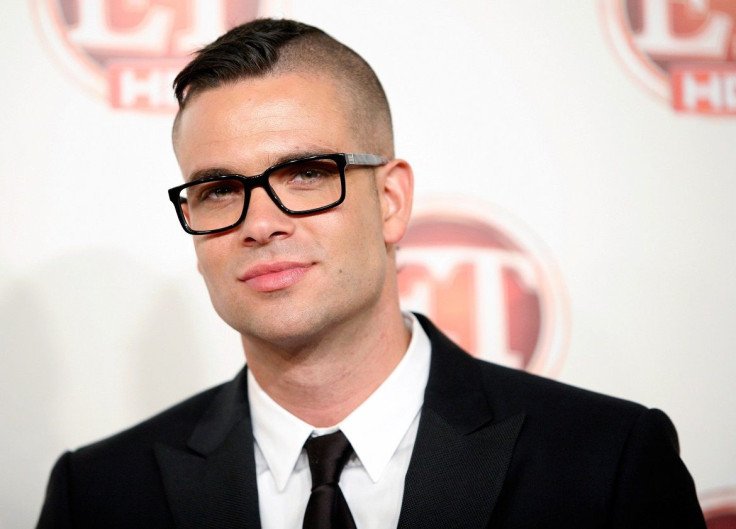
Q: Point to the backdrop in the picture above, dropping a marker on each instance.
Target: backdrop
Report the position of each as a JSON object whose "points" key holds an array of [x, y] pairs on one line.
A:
{"points": [[575, 213]]}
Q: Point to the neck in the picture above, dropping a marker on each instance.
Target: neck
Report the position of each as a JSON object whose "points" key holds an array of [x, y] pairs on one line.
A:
{"points": [[324, 381]]}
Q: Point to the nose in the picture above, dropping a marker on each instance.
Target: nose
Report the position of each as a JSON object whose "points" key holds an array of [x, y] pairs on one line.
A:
{"points": [[264, 221]]}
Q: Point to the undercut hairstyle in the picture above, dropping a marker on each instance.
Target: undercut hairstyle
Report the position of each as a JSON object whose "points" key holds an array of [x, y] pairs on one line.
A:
{"points": [[270, 47]]}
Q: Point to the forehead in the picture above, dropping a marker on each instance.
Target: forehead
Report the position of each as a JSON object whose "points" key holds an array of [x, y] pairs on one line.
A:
{"points": [[263, 118]]}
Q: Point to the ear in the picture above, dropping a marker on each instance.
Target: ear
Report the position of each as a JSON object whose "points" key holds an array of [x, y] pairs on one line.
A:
{"points": [[396, 191]]}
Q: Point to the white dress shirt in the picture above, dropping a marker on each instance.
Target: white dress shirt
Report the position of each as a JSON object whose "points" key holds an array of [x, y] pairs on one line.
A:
{"points": [[382, 431]]}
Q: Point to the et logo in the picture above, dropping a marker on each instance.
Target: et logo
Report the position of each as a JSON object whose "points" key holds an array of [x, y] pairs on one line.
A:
{"points": [[682, 50], [129, 51], [719, 508], [487, 283]]}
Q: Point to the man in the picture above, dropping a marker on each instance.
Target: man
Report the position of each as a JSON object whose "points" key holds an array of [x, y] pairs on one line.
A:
{"points": [[300, 260]]}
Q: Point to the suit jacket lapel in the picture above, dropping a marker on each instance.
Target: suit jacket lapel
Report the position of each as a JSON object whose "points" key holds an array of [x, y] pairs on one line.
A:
{"points": [[212, 482], [456, 473], [462, 451]]}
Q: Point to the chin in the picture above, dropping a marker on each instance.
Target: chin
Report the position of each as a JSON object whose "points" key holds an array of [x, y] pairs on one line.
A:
{"points": [[286, 329]]}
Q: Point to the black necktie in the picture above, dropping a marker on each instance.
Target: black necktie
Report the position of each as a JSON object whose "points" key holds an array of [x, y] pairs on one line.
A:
{"points": [[327, 508]]}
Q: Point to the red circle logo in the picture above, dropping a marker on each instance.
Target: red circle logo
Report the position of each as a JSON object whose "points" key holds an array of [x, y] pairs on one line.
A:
{"points": [[719, 508], [682, 50], [488, 283], [129, 51]]}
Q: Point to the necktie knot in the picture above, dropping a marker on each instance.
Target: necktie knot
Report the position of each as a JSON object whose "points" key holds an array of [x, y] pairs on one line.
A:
{"points": [[327, 456], [327, 508]]}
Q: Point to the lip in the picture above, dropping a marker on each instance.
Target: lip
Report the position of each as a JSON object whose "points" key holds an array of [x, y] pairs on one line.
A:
{"points": [[268, 277]]}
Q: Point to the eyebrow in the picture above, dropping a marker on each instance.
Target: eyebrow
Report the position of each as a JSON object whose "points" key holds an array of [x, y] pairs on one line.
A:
{"points": [[281, 158], [207, 173]]}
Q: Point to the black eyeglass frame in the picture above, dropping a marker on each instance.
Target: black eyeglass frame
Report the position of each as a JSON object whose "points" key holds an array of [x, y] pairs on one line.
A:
{"points": [[342, 160]]}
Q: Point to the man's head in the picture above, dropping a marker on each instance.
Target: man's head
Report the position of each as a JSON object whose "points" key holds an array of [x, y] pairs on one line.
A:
{"points": [[269, 92], [267, 47]]}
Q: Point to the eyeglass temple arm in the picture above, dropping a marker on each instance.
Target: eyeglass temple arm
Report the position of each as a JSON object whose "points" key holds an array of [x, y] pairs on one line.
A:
{"points": [[365, 159]]}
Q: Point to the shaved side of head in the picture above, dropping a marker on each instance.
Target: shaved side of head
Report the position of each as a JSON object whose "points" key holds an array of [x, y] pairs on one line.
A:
{"points": [[269, 47]]}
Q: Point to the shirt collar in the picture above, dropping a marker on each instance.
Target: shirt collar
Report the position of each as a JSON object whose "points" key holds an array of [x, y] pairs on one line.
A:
{"points": [[279, 434], [389, 410]]}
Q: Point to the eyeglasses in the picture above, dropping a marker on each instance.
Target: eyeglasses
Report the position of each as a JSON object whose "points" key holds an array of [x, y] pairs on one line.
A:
{"points": [[298, 187]]}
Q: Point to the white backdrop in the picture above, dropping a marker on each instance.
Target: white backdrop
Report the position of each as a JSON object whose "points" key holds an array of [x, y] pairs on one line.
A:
{"points": [[104, 319]]}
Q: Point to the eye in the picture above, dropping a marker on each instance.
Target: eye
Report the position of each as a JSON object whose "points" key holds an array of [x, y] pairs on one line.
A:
{"points": [[220, 192], [308, 174], [303, 174], [214, 192]]}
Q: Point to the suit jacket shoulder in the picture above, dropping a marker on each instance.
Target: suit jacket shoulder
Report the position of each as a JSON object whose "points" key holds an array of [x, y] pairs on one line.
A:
{"points": [[117, 482], [495, 447], [570, 457]]}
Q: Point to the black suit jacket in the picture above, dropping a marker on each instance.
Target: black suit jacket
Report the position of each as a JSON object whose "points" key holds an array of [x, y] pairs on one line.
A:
{"points": [[495, 448]]}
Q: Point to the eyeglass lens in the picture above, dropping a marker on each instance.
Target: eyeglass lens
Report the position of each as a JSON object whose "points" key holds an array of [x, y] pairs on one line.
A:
{"points": [[301, 186]]}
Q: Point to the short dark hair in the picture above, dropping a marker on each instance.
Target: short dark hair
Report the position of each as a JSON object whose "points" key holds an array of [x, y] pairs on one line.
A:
{"points": [[267, 46]]}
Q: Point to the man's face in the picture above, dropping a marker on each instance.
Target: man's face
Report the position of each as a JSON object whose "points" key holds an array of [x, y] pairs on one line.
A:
{"points": [[280, 279]]}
